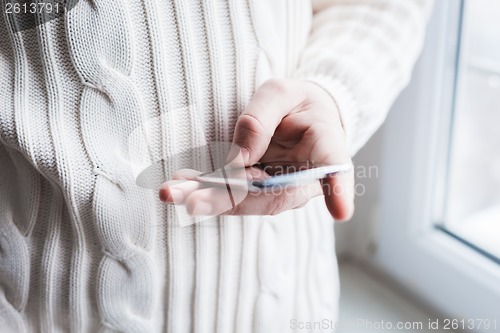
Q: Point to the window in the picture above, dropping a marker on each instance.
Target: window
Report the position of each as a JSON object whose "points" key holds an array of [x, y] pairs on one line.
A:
{"points": [[472, 210], [425, 234]]}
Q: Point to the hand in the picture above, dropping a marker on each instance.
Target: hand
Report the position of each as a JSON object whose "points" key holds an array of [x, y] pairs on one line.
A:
{"points": [[286, 120]]}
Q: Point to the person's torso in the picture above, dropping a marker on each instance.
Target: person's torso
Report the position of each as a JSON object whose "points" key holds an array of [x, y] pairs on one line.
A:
{"points": [[86, 101]]}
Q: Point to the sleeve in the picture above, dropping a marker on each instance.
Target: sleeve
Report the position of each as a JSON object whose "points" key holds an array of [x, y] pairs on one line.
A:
{"points": [[362, 53]]}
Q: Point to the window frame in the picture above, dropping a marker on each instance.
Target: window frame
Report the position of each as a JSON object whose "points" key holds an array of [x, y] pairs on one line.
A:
{"points": [[437, 267]]}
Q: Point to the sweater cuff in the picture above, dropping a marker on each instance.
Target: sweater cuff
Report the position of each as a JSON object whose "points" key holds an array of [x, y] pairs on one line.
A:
{"points": [[347, 104]]}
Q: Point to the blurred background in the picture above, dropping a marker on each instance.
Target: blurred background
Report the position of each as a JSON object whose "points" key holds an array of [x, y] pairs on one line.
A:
{"points": [[424, 244]]}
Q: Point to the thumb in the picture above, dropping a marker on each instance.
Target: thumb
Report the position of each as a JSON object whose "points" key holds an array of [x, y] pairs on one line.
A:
{"points": [[255, 127]]}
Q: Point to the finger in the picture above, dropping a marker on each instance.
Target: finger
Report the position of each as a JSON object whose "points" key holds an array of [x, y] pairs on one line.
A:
{"points": [[215, 201], [277, 201], [339, 188], [176, 191], [210, 201], [256, 125], [339, 195]]}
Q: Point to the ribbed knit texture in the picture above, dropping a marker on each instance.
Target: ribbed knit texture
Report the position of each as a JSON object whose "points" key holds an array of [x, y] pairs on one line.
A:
{"points": [[83, 248]]}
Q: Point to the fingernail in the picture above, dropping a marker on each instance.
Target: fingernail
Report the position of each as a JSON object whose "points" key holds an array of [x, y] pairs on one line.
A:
{"points": [[202, 208], [163, 195]]}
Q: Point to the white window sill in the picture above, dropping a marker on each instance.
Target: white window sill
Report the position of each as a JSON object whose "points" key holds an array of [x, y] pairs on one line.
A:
{"points": [[370, 298]]}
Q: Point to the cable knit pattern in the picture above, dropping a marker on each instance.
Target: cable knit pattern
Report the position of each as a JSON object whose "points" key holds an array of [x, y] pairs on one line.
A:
{"points": [[88, 98], [102, 52]]}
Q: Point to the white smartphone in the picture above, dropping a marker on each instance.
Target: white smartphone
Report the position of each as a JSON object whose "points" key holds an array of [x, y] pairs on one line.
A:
{"points": [[271, 175]]}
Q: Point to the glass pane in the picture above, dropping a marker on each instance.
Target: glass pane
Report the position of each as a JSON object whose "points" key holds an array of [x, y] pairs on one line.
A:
{"points": [[473, 205]]}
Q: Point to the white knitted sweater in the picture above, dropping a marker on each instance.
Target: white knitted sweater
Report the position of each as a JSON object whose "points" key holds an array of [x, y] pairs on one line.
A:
{"points": [[83, 248]]}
